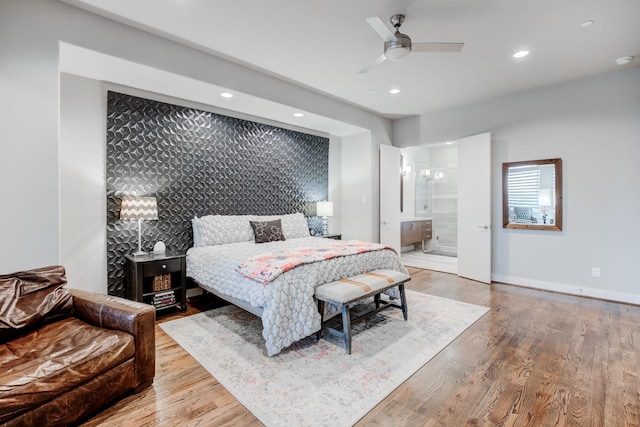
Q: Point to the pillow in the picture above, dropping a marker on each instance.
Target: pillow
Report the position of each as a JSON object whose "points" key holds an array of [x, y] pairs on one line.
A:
{"points": [[29, 299], [195, 225], [220, 229], [267, 231], [293, 225]]}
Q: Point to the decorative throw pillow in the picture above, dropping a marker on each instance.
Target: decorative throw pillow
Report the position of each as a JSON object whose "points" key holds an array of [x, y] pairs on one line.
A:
{"points": [[29, 299], [293, 225], [267, 231]]}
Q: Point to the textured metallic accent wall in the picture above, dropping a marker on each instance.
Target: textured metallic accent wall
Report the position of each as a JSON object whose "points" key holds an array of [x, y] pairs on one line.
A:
{"points": [[198, 163]]}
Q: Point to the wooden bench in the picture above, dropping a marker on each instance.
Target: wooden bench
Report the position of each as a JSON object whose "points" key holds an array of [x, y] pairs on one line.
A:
{"points": [[345, 292]]}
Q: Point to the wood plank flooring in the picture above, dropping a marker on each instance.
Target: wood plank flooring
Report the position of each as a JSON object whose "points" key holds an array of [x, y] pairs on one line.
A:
{"points": [[536, 359]]}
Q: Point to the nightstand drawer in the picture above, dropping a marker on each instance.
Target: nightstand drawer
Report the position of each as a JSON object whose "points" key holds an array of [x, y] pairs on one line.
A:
{"points": [[161, 267]]}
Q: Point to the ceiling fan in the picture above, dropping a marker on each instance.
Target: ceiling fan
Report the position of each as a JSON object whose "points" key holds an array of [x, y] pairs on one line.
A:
{"points": [[398, 45]]}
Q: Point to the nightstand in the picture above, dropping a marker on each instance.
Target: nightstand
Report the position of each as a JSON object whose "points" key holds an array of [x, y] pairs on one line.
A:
{"points": [[331, 236], [159, 280]]}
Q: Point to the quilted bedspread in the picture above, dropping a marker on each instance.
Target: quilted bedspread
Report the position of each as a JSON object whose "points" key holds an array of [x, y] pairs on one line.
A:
{"points": [[289, 312]]}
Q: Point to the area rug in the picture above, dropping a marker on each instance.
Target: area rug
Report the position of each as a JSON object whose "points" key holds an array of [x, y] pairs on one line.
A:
{"points": [[317, 383]]}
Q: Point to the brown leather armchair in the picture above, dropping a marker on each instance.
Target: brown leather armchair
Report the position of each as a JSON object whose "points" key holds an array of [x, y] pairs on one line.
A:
{"points": [[66, 353]]}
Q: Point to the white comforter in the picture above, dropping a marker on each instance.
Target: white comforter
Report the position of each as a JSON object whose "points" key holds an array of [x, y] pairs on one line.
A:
{"points": [[289, 311]]}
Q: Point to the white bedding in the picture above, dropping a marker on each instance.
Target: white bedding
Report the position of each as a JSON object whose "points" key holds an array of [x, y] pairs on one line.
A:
{"points": [[289, 310]]}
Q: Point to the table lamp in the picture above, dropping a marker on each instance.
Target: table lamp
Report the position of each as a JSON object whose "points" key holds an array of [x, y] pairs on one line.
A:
{"points": [[134, 207], [325, 210], [544, 201]]}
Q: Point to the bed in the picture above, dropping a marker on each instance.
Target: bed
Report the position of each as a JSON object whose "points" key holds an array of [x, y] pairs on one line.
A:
{"points": [[284, 302]]}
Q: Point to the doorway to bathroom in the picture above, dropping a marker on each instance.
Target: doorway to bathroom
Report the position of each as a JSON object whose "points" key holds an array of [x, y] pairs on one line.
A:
{"points": [[471, 159], [430, 202]]}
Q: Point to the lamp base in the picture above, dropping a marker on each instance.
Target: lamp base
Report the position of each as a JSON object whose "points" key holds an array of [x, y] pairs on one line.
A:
{"points": [[325, 225]]}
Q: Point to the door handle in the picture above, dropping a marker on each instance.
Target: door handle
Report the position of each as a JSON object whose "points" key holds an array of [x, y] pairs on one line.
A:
{"points": [[484, 227]]}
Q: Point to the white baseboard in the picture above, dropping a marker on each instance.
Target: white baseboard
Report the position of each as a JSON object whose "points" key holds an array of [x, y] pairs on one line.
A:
{"points": [[568, 289]]}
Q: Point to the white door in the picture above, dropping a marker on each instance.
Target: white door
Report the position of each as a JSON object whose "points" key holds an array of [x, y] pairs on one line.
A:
{"points": [[390, 177], [474, 207]]}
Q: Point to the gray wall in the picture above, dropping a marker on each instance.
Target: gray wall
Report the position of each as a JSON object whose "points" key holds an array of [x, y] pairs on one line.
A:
{"points": [[594, 126]]}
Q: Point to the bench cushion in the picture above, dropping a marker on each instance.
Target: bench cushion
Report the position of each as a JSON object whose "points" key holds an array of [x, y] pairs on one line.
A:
{"points": [[344, 291]]}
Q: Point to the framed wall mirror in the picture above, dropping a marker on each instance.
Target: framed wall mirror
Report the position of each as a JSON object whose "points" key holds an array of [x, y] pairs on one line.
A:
{"points": [[532, 195]]}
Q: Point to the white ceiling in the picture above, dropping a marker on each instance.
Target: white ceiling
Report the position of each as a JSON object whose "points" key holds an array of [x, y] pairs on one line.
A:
{"points": [[321, 44]]}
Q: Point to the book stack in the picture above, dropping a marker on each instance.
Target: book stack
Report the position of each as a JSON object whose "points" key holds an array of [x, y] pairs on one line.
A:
{"points": [[164, 298]]}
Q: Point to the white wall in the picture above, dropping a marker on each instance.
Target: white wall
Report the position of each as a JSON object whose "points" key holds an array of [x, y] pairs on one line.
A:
{"points": [[83, 213], [30, 171], [358, 188], [335, 184], [594, 126]]}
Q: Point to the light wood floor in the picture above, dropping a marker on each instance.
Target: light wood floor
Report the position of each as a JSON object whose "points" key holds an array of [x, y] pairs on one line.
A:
{"points": [[535, 359]]}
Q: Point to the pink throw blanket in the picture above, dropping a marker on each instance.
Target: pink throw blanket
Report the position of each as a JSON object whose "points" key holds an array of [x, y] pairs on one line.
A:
{"points": [[265, 268]]}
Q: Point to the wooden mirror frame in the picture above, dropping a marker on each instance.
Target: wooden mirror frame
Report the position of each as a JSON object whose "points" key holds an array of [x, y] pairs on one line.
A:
{"points": [[557, 225]]}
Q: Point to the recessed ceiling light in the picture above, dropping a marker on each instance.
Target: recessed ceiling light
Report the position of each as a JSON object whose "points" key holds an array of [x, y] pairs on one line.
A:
{"points": [[586, 24], [394, 91], [624, 60], [298, 114], [449, 143], [521, 54], [374, 91], [226, 95]]}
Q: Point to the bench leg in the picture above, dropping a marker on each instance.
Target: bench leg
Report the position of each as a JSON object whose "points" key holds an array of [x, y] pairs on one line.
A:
{"points": [[346, 327], [321, 311], [403, 301]]}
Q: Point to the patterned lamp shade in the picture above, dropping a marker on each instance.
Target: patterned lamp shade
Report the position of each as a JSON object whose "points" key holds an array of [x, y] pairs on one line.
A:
{"points": [[139, 208]]}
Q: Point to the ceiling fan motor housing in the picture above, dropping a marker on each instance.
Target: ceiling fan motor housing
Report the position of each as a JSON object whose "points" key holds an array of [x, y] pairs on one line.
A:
{"points": [[398, 47]]}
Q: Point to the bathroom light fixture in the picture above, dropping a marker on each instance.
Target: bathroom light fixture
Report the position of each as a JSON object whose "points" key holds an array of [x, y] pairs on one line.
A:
{"points": [[521, 54]]}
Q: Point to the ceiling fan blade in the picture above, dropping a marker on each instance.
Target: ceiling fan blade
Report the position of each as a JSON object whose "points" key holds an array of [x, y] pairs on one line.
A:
{"points": [[436, 47], [379, 60], [379, 27]]}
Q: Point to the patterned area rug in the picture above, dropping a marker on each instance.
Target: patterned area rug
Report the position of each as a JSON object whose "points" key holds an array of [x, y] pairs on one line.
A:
{"points": [[317, 383]]}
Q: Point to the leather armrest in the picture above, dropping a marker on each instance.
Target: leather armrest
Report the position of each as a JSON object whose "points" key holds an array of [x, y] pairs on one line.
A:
{"points": [[121, 314]]}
